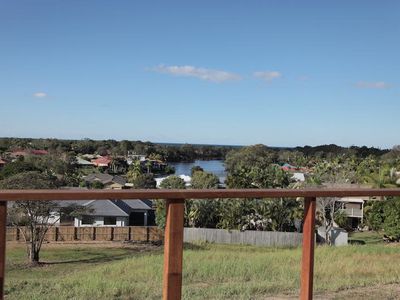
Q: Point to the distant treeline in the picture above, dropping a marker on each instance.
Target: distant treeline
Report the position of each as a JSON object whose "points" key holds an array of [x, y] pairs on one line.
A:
{"points": [[332, 149], [169, 152]]}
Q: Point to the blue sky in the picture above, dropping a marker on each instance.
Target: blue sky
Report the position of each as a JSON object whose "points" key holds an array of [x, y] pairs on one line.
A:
{"points": [[281, 73]]}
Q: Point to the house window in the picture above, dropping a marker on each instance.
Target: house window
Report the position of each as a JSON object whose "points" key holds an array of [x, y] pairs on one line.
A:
{"points": [[110, 221], [66, 220], [87, 220]]}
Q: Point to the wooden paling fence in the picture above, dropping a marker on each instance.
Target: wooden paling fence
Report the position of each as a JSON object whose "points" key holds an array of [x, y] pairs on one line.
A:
{"points": [[175, 207], [94, 233], [248, 237]]}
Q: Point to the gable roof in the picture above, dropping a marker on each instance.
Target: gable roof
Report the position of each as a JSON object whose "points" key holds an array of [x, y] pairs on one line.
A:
{"points": [[83, 162], [105, 208], [130, 204], [118, 179], [105, 178], [113, 208], [102, 161]]}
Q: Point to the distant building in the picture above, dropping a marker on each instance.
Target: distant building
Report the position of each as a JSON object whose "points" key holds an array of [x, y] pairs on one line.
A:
{"points": [[126, 212], [299, 177], [131, 158], [83, 162], [108, 181], [354, 209], [102, 161]]}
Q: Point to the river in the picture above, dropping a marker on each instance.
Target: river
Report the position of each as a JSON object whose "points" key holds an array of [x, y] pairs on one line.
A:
{"points": [[212, 166]]}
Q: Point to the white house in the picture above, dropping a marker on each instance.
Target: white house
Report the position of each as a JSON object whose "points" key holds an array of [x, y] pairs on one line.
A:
{"points": [[127, 212]]}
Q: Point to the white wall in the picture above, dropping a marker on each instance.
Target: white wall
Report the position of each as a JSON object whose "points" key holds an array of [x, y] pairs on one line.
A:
{"points": [[99, 221]]}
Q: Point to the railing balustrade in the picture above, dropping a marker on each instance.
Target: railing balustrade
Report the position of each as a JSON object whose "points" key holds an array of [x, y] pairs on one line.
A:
{"points": [[175, 200]]}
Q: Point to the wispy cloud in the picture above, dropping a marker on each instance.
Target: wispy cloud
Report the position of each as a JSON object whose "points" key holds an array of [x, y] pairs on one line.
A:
{"points": [[40, 95], [267, 75], [373, 85], [200, 73]]}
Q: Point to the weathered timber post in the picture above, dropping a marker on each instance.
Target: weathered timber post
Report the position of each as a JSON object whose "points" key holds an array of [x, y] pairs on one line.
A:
{"points": [[3, 228], [173, 249], [307, 262]]}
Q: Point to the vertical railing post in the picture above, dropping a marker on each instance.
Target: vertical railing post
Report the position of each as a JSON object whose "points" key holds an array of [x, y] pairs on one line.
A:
{"points": [[3, 229], [307, 262], [173, 250]]}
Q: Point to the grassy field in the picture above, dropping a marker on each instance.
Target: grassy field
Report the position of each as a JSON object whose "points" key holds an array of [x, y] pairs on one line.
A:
{"points": [[210, 272]]}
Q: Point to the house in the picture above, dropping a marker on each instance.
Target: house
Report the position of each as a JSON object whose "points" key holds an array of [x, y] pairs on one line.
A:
{"points": [[298, 177], [102, 161], [108, 181], [354, 209], [131, 158], [127, 212], [80, 162], [352, 206]]}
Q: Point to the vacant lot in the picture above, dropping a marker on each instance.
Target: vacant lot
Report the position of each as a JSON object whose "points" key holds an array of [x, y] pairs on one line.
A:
{"points": [[210, 272]]}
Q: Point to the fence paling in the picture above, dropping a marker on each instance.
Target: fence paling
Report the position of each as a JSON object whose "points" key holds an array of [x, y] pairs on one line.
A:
{"points": [[71, 233], [173, 247]]}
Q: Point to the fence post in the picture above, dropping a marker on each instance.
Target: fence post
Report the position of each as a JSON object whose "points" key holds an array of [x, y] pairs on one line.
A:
{"points": [[173, 249], [3, 229], [307, 262]]}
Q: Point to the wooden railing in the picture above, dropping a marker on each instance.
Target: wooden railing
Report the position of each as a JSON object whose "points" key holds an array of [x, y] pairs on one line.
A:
{"points": [[175, 200]]}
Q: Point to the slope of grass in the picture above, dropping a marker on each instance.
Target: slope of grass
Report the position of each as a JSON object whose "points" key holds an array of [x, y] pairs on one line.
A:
{"points": [[210, 271], [365, 237]]}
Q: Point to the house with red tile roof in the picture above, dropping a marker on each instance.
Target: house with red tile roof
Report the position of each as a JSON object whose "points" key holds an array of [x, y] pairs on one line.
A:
{"points": [[39, 152], [102, 161]]}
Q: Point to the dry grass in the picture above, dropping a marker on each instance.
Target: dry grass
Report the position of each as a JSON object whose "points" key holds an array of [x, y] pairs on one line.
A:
{"points": [[210, 272]]}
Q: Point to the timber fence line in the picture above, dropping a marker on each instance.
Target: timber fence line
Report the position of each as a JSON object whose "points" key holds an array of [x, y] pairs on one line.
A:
{"points": [[94, 233], [249, 237], [175, 209]]}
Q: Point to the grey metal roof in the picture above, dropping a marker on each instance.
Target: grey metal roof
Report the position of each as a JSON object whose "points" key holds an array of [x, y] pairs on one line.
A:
{"points": [[135, 204], [119, 179], [105, 178], [66, 203], [115, 208], [105, 208], [102, 177]]}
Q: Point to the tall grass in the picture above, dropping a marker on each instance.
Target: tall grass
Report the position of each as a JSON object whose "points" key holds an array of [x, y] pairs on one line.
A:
{"points": [[210, 272]]}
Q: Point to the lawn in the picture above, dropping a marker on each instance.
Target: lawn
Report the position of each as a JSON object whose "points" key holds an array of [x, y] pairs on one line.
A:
{"points": [[114, 271], [365, 237]]}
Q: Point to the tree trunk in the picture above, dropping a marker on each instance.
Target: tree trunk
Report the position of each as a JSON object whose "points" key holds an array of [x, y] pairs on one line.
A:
{"points": [[33, 254]]}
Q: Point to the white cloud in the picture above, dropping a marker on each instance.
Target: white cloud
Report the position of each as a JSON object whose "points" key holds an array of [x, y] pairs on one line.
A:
{"points": [[267, 75], [39, 95], [373, 85], [201, 73]]}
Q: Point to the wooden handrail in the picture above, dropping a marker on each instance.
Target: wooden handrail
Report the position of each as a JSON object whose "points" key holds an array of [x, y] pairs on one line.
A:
{"points": [[36, 195], [173, 245]]}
